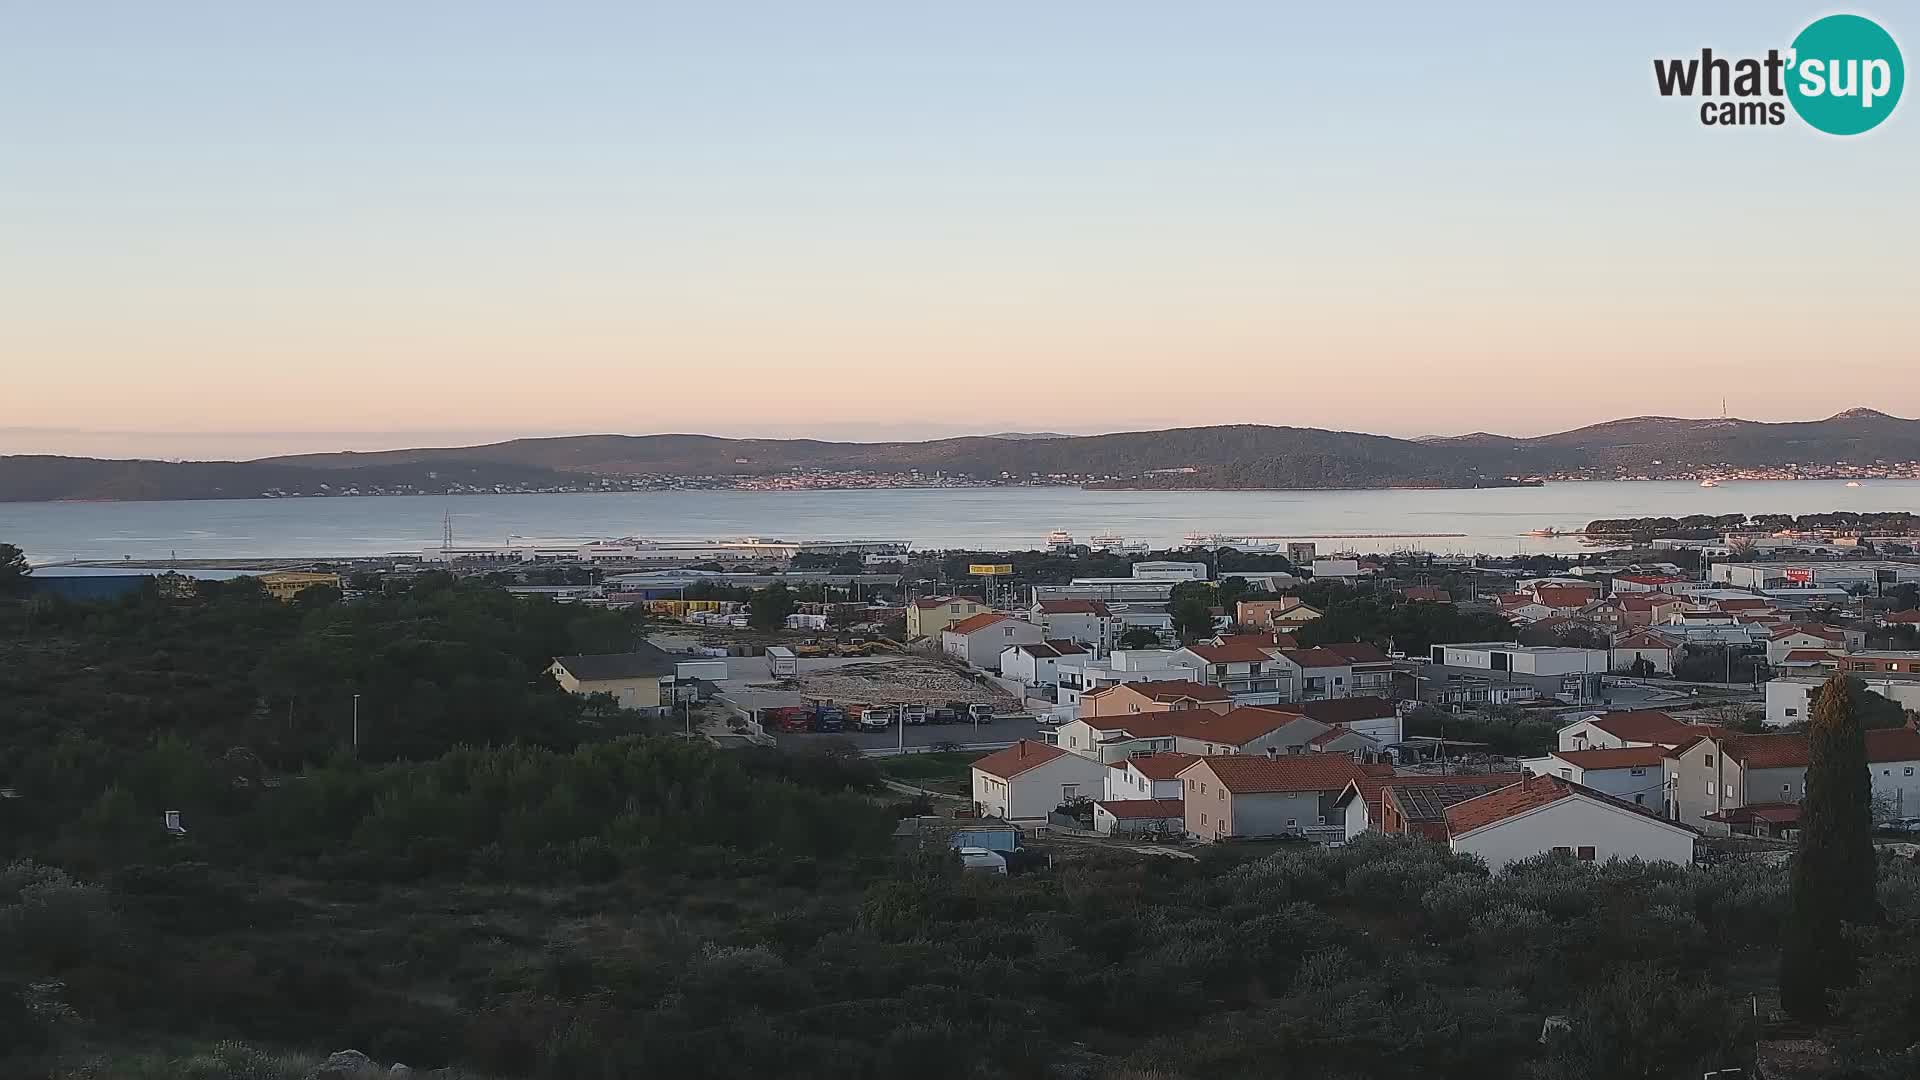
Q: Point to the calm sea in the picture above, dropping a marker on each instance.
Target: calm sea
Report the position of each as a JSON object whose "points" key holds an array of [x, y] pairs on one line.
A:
{"points": [[1492, 521]]}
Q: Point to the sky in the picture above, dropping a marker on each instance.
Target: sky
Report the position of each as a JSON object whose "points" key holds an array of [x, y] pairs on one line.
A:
{"points": [[233, 229]]}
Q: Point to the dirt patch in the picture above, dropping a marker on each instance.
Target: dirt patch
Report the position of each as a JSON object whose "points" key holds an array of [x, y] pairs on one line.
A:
{"points": [[903, 681]]}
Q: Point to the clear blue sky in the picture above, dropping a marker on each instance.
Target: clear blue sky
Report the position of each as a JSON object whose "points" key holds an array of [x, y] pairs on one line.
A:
{"points": [[231, 227]]}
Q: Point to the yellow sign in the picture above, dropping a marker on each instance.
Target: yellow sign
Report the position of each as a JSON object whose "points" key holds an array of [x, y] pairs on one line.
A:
{"points": [[981, 569]]}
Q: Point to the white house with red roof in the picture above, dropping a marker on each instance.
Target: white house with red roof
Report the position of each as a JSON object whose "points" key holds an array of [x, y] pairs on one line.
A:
{"points": [[1243, 796], [1645, 583], [1027, 780], [979, 640], [1544, 814], [1640, 727], [1634, 646], [1088, 622], [1802, 637], [1147, 776], [1139, 817], [1635, 774], [1037, 663]]}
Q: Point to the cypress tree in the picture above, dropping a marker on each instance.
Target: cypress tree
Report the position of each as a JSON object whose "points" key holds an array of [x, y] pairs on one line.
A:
{"points": [[1834, 871]]}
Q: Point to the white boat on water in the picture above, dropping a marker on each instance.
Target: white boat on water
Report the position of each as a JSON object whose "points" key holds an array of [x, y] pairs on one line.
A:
{"points": [[1059, 538], [1853, 483], [1200, 539], [1709, 482]]}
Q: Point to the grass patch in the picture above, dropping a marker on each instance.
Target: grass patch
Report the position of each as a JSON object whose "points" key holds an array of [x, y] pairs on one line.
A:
{"points": [[921, 768]]}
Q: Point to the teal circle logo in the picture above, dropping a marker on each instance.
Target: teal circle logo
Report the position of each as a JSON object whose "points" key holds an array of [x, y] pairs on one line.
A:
{"points": [[1845, 74]]}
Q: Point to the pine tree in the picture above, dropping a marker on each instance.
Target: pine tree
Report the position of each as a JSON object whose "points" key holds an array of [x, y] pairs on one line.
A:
{"points": [[1834, 870]]}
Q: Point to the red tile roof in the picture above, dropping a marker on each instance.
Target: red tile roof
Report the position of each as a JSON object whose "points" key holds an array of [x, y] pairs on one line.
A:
{"points": [[1502, 803], [1341, 710], [1565, 596], [1426, 593], [1637, 757], [1246, 774], [1073, 607], [1910, 616], [1176, 689], [1372, 787], [976, 622], [1159, 766], [1136, 809], [1742, 604], [927, 603], [1311, 658], [1232, 654], [1357, 652], [1811, 656], [1644, 601], [1827, 633], [1273, 640], [1644, 639], [1644, 725], [1018, 758]]}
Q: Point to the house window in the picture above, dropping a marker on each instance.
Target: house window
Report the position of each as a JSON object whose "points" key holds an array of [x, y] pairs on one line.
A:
{"points": [[1068, 792], [1709, 787], [1586, 854], [1293, 823], [1640, 800], [1203, 818], [1566, 774], [1636, 771], [1563, 851], [1222, 796], [1709, 761], [1793, 712]]}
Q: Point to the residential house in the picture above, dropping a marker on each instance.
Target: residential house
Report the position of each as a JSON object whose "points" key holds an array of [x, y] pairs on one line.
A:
{"points": [[1627, 611], [1081, 675], [1191, 731], [1716, 773], [1238, 796], [1785, 639], [1614, 730], [641, 680], [1027, 780], [1323, 673], [1140, 817], [1088, 622], [1634, 646], [929, 615], [1147, 775], [1372, 671], [1361, 805], [1375, 717], [1420, 808], [1426, 594], [1553, 814], [1254, 673], [1160, 695], [1037, 663], [978, 641], [1635, 774], [1806, 661], [1284, 614], [1910, 617]]}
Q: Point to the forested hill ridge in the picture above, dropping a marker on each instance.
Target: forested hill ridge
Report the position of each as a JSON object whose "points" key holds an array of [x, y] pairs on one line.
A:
{"points": [[1244, 456]]}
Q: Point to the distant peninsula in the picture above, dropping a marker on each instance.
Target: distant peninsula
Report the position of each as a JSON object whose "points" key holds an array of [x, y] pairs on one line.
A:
{"points": [[1240, 457]]}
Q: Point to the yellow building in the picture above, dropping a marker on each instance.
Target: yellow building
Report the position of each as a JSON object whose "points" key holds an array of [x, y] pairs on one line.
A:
{"points": [[927, 616], [287, 584], [642, 680]]}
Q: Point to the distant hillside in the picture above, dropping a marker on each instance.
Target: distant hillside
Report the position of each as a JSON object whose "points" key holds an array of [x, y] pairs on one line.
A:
{"points": [[1244, 456], [1857, 436]]}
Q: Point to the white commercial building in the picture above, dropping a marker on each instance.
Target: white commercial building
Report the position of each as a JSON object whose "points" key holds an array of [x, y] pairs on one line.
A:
{"points": [[1522, 659], [1790, 697], [1337, 569], [1168, 570]]}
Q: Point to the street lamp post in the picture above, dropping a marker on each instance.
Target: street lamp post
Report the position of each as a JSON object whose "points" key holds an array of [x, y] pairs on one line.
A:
{"points": [[356, 725]]}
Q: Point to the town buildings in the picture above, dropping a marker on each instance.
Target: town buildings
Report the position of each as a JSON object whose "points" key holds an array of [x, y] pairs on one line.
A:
{"points": [[979, 640], [929, 615], [1240, 797], [1552, 814], [640, 680]]}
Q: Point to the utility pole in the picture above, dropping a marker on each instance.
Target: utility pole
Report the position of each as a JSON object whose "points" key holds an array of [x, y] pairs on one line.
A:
{"points": [[356, 725]]}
